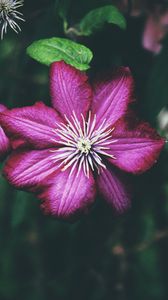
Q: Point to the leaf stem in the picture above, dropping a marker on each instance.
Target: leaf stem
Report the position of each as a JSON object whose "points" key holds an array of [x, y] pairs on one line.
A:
{"points": [[73, 30]]}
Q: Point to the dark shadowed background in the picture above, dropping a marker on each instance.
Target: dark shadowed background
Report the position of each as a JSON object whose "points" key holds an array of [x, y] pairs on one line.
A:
{"points": [[102, 256]]}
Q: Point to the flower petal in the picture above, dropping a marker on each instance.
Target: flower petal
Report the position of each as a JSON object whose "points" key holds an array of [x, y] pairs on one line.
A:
{"points": [[28, 169], [70, 90], [112, 186], [68, 194], [4, 144], [2, 107], [112, 95], [4, 141], [31, 125], [136, 148]]}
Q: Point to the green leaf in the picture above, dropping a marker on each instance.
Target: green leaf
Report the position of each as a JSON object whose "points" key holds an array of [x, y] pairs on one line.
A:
{"points": [[96, 18], [54, 49]]}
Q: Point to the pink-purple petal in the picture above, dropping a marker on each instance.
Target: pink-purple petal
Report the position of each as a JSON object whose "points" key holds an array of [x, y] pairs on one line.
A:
{"points": [[4, 144], [31, 126], [136, 148], [28, 169], [2, 107], [4, 141], [69, 194], [112, 95], [70, 90], [112, 186]]}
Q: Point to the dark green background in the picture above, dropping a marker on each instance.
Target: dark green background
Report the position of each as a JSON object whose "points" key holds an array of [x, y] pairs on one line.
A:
{"points": [[102, 256]]}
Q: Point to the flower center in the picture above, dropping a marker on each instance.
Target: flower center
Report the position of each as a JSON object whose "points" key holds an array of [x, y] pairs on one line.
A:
{"points": [[83, 144]]}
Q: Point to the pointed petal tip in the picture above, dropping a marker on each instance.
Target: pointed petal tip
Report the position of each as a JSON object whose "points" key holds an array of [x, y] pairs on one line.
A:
{"points": [[113, 94], [60, 63], [125, 69], [2, 108], [114, 187], [69, 89], [5, 145], [29, 169], [70, 217], [137, 147], [4, 141], [30, 126]]}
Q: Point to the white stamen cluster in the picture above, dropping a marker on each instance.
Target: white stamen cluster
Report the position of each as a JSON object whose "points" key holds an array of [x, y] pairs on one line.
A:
{"points": [[8, 14], [83, 144]]}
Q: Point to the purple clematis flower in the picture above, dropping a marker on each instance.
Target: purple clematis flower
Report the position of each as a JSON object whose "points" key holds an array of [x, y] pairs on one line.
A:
{"points": [[67, 153], [4, 141]]}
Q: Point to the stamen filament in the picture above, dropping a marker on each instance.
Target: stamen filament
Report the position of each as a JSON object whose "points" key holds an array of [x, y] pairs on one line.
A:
{"points": [[83, 146]]}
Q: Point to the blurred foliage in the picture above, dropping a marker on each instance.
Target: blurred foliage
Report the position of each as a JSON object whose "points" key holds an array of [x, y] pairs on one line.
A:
{"points": [[157, 86], [100, 15], [102, 256]]}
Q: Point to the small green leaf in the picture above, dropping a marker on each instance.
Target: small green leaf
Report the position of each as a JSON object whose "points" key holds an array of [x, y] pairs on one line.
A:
{"points": [[96, 18], [55, 49]]}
